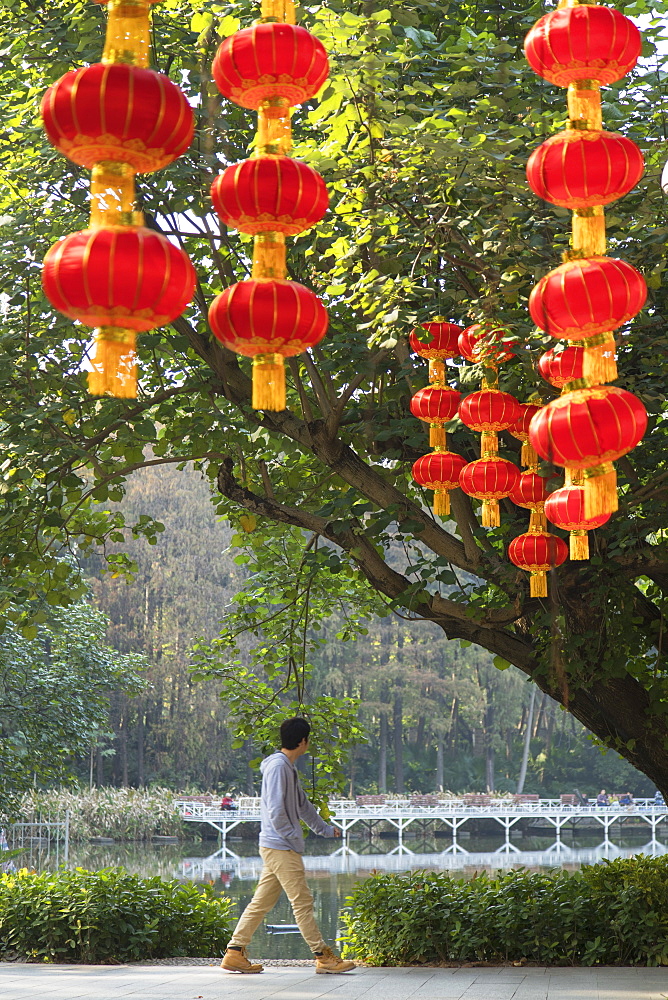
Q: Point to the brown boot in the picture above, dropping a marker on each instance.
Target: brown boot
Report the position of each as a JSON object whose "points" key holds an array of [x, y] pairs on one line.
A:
{"points": [[236, 960], [327, 961]]}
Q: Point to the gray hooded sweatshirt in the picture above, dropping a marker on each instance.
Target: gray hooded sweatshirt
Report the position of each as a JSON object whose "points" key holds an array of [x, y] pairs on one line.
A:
{"points": [[283, 804]]}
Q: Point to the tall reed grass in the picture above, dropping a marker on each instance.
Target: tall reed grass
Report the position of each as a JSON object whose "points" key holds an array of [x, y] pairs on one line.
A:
{"points": [[121, 813]]}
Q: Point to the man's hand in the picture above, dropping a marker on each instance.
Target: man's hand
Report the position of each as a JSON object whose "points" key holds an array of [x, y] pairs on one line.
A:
{"points": [[337, 832]]}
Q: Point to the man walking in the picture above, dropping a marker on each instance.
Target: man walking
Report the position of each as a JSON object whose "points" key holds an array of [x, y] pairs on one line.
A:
{"points": [[283, 805]]}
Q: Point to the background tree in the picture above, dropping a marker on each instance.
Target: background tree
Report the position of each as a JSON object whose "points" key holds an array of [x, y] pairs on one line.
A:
{"points": [[422, 134]]}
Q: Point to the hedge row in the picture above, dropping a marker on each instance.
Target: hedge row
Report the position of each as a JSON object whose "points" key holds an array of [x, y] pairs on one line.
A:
{"points": [[108, 916], [614, 913]]}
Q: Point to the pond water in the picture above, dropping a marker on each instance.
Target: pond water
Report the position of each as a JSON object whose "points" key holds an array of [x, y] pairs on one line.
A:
{"points": [[333, 874]]}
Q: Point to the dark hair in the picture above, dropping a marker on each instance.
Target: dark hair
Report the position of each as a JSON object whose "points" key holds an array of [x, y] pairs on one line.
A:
{"points": [[293, 731]]}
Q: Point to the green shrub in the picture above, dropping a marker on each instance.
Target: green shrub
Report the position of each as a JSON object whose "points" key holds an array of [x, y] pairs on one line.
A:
{"points": [[614, 913], [108, 916], [121, 813]]}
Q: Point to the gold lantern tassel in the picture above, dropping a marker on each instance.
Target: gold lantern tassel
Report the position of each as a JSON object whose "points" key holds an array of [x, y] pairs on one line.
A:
{"points": [[588, 232], [269, 256], [114, 362], [489, 444], [537, 520], [437, 437], [584, 105], [528, 455], [579, 545], [278, 10], [268, 382], [600, 490], [491, 514], [441, 503], [436, 371], [538, 583], [274, 129], [599, 363], [112, 195], [127, 38]]}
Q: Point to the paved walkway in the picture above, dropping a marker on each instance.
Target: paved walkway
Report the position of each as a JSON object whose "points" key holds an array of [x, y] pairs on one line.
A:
{"points": [[67, 982]]}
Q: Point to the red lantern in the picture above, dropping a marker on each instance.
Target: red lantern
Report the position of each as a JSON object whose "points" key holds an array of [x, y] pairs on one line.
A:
{"points": [[435, 404], [120, 113], [537, 552], [270, 194], [565, 508], [520, 430], [587, 297], [125, 277], [580, 168], [268, 321], [489, 411], [561, 367], [439, 347], [486, 343], [270, 62], [531, 492], [489, 480], [588, 429], [439, 471], [583, 43]]}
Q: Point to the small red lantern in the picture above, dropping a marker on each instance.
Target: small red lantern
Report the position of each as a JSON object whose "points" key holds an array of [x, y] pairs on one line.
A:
{"points": [[520, 430], [537, 552], [489, 411], [487, 344], [440, 346], [587, 297], [439, 471], [270, 62], [588, 429], [435, 404], [565, 508], [270, 194], [580, 168], [531, 492], [489, 480], [268, 321], [583, 43], [561, 367]]}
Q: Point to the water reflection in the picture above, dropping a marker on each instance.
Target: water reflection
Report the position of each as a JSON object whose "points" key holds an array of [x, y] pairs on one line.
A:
{"points": [[333, 873]]}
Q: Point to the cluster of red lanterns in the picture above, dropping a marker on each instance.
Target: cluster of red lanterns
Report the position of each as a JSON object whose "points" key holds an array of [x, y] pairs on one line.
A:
{"points": [[117, 118], [270, 67], [587, 298]]}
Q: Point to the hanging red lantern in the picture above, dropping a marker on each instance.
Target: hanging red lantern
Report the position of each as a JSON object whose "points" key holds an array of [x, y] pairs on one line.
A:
{"points": [[270, 194], [439, 471], [589, 429], [561, 367], [486, 343], [440, 346], [435, 404], [580, 168], [120, 280], [489, 480], [115, 112], [583, 43], [584, 298], [520, 430], [268, 321], [487, 412], [531, 492], [270, 62], [537, 552], [565, 508]]}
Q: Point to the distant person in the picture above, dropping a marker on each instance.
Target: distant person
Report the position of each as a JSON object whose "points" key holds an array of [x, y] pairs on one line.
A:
{"points": [[658, 798], [603, 799], [228, 803], [283, 805], [626, 799]]}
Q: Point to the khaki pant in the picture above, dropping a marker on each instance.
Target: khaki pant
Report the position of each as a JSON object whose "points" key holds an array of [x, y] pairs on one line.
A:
{"points": [[281, 870]]}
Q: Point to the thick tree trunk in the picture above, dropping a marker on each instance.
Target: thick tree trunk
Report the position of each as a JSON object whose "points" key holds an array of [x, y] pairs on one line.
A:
{"points": [[527, 743], [439, 765]]}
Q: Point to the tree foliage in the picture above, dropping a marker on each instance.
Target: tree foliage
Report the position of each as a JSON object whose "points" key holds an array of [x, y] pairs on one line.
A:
{"points": [[422, 134]]}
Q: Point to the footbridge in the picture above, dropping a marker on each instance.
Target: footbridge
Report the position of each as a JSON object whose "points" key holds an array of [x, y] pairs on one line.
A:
{"points": [[451, 815]]}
